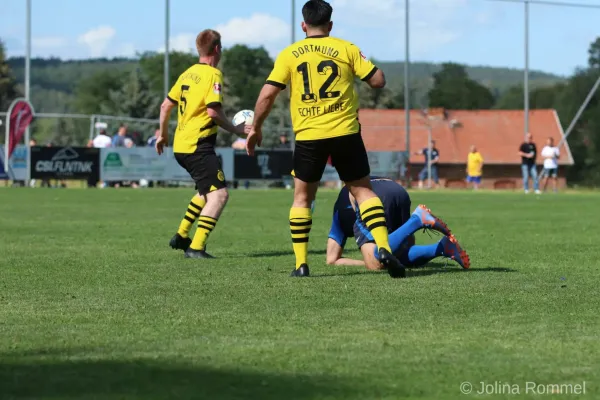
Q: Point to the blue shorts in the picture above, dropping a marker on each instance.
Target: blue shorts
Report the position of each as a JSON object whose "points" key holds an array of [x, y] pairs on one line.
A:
{"points": [[474, 179]]}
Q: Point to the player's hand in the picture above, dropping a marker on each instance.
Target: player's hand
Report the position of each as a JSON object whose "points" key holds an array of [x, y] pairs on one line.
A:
{"points": [[254, 139], [161, 142]]}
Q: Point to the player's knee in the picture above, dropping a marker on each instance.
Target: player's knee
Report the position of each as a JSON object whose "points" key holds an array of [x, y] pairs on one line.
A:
{"points": [[330, 260], [373, 264], [220, 196]]}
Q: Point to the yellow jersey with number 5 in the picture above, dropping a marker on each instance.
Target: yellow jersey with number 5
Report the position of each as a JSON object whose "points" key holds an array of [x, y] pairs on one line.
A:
{"points": [[198, 88], [322, 71]]}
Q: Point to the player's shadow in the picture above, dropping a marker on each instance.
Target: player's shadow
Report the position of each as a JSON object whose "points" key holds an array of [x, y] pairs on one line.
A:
{"points": [[280, 253], [52, 376], [440, 268], [432, 268]]}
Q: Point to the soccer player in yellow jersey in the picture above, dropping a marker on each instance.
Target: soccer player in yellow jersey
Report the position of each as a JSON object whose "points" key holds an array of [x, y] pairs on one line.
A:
{"points": [[197, 95], [324, 108], [474, 167]]}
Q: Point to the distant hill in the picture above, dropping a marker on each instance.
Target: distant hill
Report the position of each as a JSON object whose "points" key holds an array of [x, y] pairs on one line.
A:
{"points": [[53, 81]]}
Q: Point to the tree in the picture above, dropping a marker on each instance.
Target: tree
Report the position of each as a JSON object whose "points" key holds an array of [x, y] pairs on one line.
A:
{"points": [[8, 86], [93, 93], [153, 66], [453, 89], [594, 54], [132, 99], [247, 70]]}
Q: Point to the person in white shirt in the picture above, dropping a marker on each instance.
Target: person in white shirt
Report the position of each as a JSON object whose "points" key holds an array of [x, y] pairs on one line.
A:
{"points": [[550, 154], [102, 140]]}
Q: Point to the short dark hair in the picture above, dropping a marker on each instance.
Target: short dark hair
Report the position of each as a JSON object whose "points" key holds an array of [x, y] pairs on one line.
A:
{"points": [[317, 12]]}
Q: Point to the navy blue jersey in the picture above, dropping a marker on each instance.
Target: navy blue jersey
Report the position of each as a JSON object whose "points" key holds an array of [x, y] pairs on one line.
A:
{"points": [[346, 221]]}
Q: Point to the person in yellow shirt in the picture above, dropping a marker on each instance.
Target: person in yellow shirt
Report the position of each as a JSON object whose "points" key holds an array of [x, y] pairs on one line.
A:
{"points": [[198, 97], [324, 109], [474, 167]]}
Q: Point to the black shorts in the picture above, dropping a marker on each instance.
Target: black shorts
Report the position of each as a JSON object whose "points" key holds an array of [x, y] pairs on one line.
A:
{"points": [[205, 169], [348, 156]]}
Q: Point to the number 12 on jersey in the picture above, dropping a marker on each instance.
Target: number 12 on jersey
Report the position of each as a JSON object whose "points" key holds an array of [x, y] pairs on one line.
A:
{"points": [[325, 67]]}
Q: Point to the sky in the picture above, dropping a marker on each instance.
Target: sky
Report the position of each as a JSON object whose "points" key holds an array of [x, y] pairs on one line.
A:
{"points": [[474, 32]]}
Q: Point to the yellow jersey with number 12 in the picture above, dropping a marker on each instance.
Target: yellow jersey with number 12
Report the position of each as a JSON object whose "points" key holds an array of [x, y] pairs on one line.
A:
{"points": [[198, 88], [321, 71]]}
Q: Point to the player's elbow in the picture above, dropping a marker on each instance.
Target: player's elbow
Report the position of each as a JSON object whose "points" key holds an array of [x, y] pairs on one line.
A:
{"points": [[377, 81], [212, 113]]}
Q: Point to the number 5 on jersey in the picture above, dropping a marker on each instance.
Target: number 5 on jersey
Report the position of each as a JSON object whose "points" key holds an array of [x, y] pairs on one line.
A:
{"points": [[325, 67]]}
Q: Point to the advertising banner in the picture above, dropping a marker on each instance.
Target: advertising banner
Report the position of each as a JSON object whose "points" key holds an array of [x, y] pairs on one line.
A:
{"points": [[17, 168], [266, 164], [132, 164], [65, 163], [388, 164]]}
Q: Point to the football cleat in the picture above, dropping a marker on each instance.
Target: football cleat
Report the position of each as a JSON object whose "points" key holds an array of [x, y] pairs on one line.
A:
{"points": [[453, 251], [178, 242], [191, 253], [391, 263], [301, 271], [430, 221]]}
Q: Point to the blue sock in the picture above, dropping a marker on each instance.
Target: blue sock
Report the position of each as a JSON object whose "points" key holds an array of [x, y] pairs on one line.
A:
{"points": [[398, 237], [417, 256]]}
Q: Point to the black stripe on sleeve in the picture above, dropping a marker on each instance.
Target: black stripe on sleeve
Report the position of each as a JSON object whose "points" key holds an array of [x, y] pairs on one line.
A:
{"points": [[276, 84], [214, 104], [172, 101], [370, 74]]}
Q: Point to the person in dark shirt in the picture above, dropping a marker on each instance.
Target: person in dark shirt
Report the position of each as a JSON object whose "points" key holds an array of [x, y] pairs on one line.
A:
{"points": [[528, 153], [401, 225], [434, 157]]}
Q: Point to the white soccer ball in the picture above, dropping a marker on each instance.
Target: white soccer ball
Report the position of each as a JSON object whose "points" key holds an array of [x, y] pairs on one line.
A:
{"points": [[245, 117]]}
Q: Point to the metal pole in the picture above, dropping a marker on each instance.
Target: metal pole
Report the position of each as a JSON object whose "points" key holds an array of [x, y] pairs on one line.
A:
{"points": [[407, 76], [27, 49], [429, 156], [166, 67], [526, 73], [580, 111], [92, 122], [293, 24], [28, 85]]}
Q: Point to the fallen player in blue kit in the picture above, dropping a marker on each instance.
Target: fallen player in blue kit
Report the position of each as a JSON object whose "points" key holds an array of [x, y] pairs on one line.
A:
{"points": [[401, 224]]}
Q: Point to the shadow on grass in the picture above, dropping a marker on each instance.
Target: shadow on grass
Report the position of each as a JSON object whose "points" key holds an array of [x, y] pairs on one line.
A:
{"points": [[280, 253], [35, 378], [432, 268]]}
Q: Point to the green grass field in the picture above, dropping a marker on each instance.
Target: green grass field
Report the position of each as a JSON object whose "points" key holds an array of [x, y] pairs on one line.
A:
{"points": [[95, 305]]}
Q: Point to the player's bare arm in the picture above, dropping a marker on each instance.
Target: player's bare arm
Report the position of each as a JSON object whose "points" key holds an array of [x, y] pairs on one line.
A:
{"points": [[334, 255], [263, 107], [216, 113], [165, 113], [377, 81]]}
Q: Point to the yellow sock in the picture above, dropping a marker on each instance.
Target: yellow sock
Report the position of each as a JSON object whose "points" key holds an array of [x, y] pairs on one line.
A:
{"points": [[300, 224], [373, 216], [205, 227], [191, 215]]}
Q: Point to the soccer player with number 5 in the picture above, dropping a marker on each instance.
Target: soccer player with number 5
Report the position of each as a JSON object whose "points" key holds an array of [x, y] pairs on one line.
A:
{"points": [[324, 108], [198, 96]]}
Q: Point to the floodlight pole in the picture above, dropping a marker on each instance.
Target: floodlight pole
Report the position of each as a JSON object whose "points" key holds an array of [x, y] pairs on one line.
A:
{"points": [[166, 67], [27, 87], [407, 76], [293, 24], [526, 72]]}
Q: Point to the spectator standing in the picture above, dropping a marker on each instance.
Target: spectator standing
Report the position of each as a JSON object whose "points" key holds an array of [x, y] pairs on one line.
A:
{"points": [[152, 140], [474, 167], [283, 142], [528, 153], [550, 154], [102, 140], [118, 139], [434, 157]]}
